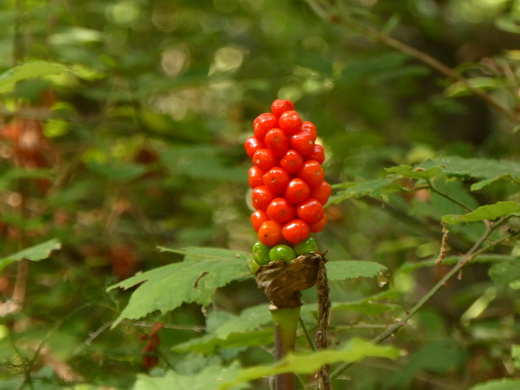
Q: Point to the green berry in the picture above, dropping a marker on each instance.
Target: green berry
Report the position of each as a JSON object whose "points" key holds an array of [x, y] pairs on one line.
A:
{"points": [[254, 266], [260, 253], [306, 246], [281, 252]]}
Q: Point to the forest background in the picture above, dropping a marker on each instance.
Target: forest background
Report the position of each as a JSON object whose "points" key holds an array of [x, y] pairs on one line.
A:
{"points": [[122, 130]]}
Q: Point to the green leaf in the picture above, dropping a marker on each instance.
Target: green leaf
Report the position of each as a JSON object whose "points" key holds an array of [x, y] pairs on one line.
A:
{"points": [[373, 188], [209, 378], [30, 70], [208, 344], [307, 363], [34, 253], [194, 280], [498, 384], [475, 168], [487, 212], [415, 173], [481, 83], [349, 269], [250, 319], [117, 172], [505, 272], [515, 354]]}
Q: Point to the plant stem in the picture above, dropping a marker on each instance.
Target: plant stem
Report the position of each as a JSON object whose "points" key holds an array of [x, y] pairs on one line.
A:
{"points": [[285, 325]]}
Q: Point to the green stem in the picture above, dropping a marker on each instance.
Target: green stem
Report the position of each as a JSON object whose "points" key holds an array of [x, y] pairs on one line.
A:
{"points": [[285, 326]]}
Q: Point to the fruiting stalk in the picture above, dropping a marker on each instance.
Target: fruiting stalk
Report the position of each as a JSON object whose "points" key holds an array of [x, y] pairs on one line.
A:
{"points": [[285, 326]]}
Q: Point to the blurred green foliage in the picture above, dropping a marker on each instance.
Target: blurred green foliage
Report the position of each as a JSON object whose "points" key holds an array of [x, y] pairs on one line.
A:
{"points": [[122, 130]]}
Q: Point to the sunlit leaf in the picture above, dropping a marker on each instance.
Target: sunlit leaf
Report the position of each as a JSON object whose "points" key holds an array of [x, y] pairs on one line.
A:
{"points": [[210, 378], [30, 70], [307, 363], [34, 253], [487, 212], [481, 83], [195, 280], [505, 272]]}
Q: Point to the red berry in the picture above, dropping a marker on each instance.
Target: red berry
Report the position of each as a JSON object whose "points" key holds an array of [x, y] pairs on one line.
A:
{"points": [[255, 177], [290, 122], [279, 106], [292, 161], [270, 233], [297, 191], [263, 123], [295, 231], [303, 143], [264, 159], [276, 180], [322, 192], [311, 173], [279, 210], [318, 154], [310, 211], [251, 145], [261, 197], [258, 218], [277, 141], [318, 227], [309, 127]]}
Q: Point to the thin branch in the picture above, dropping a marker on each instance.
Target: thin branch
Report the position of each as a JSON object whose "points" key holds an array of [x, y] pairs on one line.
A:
{"points": [[413, 52], [446, 196], [470, 255]]}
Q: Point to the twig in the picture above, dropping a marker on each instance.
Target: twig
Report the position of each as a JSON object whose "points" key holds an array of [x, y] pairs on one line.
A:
{"points": [[470, 255], [413, 52]]}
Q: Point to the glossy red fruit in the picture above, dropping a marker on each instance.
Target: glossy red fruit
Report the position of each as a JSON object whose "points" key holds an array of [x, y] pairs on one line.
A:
{"points": [[258, 218], [255, 177], [310, 211], [261, 197], [297, 191], [270, 233], [318, 154], [252, 145], [303, 143], [290, 122], [318, 227], [277, 141], [311, 173], [292, 161], [279, 106], [309, 127], [322, 192], [276, 179], [295, 231], [281, 211], [264, 159], [263, 123]]}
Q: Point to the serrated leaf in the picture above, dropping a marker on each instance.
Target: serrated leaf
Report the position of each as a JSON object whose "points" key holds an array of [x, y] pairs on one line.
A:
{"points": [[210, 378], [208, 344], [505, 272], [415, 173], [476, 168], [373, 188], [30, 70], [307, 363], [34, 253], [498, 384], [349, 269], [166, 288], [488, 212], [250, 319]]}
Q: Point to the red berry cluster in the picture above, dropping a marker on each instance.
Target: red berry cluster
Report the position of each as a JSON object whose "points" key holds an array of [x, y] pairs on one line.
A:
{"points": [[150, 350], [289, 189]]}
